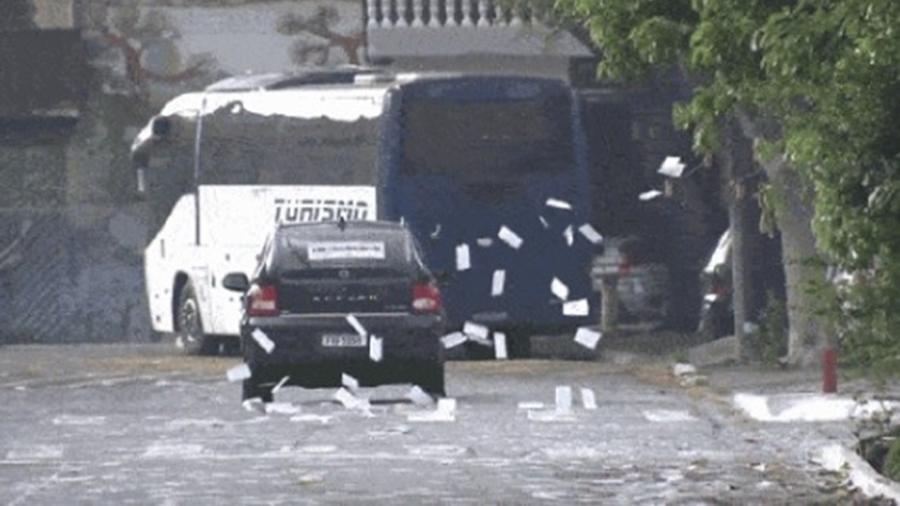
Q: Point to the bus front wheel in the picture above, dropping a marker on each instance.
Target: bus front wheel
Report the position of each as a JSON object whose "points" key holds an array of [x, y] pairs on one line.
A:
{"points": [[189, 336]]}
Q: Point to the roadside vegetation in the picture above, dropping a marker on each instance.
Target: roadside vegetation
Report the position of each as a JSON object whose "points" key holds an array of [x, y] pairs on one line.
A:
{"points": [[812, 84]]}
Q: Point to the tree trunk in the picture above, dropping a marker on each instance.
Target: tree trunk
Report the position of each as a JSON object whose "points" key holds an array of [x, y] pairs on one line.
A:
{"points": [[808, 334], [742, 211]]}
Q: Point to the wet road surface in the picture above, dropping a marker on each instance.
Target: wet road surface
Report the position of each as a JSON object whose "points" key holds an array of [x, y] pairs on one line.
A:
{"points": [[118, 424]]}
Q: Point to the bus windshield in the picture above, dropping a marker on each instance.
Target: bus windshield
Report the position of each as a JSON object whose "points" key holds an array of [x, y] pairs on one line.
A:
{"points": [[487, 141], [242, 148]]}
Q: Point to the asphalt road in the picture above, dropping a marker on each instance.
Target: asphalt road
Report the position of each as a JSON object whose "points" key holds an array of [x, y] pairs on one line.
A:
{"points": [[117, 424]]}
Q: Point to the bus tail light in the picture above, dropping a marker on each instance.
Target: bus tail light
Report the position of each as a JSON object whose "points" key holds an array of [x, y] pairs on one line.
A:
{"points": [[426, 298], [262, 300]]}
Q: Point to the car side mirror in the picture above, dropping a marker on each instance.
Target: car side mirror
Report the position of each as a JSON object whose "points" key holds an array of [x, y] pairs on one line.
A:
{"points": [[236, 282]]}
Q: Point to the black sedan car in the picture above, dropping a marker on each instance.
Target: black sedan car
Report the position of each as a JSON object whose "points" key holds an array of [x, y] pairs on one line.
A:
{"points": [[346, 297]]}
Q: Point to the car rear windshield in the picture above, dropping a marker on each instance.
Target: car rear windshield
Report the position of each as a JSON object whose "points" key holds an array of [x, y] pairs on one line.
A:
{"points": [[392, 250]]}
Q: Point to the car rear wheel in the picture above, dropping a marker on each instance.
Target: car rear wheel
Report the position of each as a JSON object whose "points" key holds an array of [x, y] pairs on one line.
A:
{"points": [[430, 377], [519, 345], [189, 336], [251, 389]]}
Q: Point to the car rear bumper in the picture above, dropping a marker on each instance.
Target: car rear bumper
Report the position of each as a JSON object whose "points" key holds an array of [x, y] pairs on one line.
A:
{"points": [[405, 338]]}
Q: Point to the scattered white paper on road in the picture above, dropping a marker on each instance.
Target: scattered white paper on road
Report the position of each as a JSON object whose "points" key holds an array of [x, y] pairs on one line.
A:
{"points": [[349, 382], [569, 234], [311, 418], [544, 222], [484, 242], [444, 412], [590, 233], [437, 231], [550, 416], [238, 373], [559, 204], [346, 398], [262, 340], [446, 405], [500, 346], [419, 397], [454, 339], [509, 237], [498, 282], [280, 384], [530, 405], [463, 261], [587, 337], [576, 308], [588, 400], [563, 399], [559, 289], [668, 415], [375, 348], [351, 319], [475, 330], [649, 195], [281, 408], [254, 404]]}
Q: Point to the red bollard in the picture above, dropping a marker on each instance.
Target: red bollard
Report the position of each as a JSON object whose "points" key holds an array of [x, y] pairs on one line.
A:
{"points": [[829, 370]]}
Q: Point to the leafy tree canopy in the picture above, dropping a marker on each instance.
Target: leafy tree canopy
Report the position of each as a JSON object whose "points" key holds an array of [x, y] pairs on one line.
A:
{"points": [[826, 73]]}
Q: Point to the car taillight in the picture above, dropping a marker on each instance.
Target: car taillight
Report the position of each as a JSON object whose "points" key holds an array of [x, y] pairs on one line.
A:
{"points": [[426, 298], [262, 300]]}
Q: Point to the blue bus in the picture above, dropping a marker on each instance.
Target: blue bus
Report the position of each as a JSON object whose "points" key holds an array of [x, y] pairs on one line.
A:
{"points": [[489, 173]]}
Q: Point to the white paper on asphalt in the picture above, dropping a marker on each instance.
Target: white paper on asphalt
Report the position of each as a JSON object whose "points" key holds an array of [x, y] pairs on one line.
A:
{"points": [[349, 382], [375, 348], [238, 373], [346, 398], [475, 330], [550, 415], [254, 404], [454, 339], [484, 242], [437, 231], [262, 340], [587, 337], [569, 234], [280, 384], [544, 222], [497, 282], [356, 325], [444, 412], [576, 308], [649, 195], [559, 289], [500, 346], [559, 204], [463, 261], [563, 399], [282, 408], [588, 399], [590, 233], [418, 396], [509, 237]]}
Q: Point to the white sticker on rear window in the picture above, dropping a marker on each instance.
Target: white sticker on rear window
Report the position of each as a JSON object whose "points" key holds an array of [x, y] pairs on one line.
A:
{"points": [[342, 250]]}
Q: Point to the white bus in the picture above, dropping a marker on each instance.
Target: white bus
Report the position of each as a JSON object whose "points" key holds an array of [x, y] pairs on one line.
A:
{"points": [[458, 158]]}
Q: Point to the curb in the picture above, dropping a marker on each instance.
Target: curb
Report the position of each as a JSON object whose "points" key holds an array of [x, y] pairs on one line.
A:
{"points": [[859, 473]]}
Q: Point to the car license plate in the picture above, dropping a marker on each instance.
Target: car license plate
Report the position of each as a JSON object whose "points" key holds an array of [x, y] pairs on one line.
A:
{"points": [[343, 340]]}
